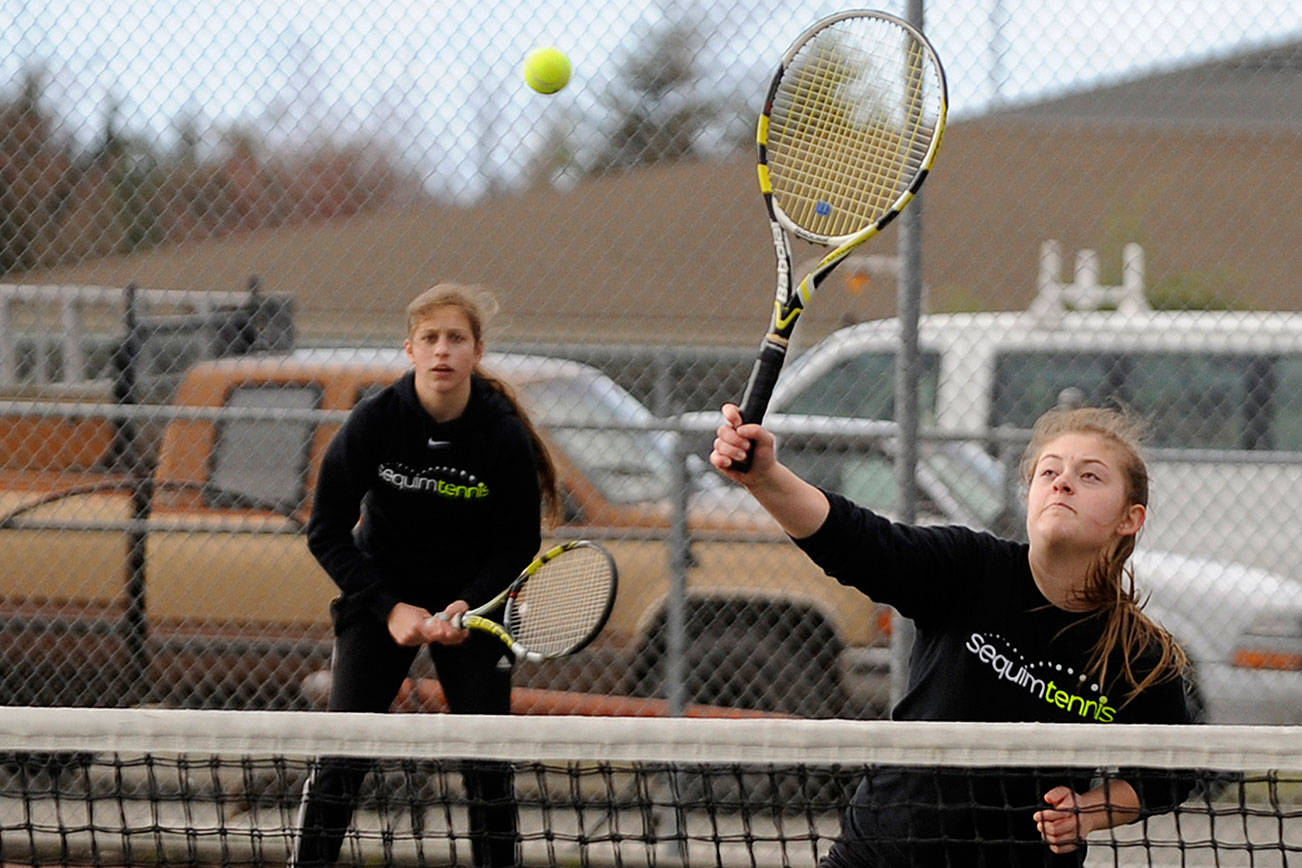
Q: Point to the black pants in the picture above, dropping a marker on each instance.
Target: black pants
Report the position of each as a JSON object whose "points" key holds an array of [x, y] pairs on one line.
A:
{"points": [[367, 672], [962, 818]]}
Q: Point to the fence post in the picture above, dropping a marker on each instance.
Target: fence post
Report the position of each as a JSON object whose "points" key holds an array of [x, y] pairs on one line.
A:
{"points": [[74, 352], [135, 619], [676, 611], [8, 343], [908, 373]]}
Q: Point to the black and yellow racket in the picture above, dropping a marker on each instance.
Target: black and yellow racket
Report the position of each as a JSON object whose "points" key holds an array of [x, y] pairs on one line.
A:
{"points": [[849, 131], [555, 607]]}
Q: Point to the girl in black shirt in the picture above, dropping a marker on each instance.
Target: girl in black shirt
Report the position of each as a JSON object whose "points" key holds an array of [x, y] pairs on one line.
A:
{"points": [[1046, 631], [448, 478]]}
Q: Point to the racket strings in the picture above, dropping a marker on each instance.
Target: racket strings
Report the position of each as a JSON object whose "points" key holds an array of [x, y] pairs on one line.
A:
{"points": [[865, 174], [853, 170], [851, 125], [564, 603]]}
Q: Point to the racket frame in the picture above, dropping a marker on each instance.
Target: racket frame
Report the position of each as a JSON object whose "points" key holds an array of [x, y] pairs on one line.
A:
{"points": [[476, 619], [790, 301]]}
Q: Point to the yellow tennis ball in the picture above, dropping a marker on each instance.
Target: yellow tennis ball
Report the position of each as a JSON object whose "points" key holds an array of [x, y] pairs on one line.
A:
{"points": [[547, 70]]}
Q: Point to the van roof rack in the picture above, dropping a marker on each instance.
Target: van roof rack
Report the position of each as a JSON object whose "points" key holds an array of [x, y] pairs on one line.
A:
{"points": [[1084, 292]]}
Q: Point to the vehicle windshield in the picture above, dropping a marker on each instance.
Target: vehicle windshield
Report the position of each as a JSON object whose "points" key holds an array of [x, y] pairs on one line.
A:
{"points": [[860, 386], [971, 477], [957, 482], [588, 417]]}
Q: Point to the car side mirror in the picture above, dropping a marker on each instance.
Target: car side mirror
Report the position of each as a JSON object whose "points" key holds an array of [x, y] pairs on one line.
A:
{"points": [[571, 510]]}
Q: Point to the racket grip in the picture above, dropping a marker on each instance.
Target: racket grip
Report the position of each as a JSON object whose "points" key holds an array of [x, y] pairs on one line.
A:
{"points": [[456, 621], [759, 388]]}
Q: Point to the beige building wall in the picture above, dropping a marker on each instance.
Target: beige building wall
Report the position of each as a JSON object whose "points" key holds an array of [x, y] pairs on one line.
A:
{"points": [[681, 253]]}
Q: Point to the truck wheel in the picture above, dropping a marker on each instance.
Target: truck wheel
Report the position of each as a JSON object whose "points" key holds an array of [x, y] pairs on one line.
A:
{"points": [[755, 655]]}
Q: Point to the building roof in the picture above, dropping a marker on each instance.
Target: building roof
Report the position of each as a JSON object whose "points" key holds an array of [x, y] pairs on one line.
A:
{"points": [[1184, 162], [1259, 89]]}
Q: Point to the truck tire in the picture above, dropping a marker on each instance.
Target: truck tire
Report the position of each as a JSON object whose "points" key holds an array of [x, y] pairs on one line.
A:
{"points": [[753, 655]]}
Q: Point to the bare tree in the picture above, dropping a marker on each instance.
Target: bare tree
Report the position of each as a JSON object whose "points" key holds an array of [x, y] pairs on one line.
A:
{"points": [[35, 182], [656, 105]]}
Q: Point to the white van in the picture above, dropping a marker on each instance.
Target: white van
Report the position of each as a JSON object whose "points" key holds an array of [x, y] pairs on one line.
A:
{"points": [[1222, 390], [1223, 393]]}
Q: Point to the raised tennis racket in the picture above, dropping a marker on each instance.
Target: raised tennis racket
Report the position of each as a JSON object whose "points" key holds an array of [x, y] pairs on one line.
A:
{"points": [[555, 607], [849, 131]]}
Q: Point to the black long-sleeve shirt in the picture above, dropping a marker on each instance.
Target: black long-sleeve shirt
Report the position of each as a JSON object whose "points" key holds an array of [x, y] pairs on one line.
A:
{"points": [[448, 510], [989, 647]]}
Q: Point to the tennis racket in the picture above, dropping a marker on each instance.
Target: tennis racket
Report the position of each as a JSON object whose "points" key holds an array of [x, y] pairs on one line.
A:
{"points": [[555, 607], [849, 131]]}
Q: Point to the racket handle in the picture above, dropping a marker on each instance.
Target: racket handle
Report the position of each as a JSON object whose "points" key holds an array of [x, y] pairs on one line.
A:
{"points": [[759, 388], [456, 621]]}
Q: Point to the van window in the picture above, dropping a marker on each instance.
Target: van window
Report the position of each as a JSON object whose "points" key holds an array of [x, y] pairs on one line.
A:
{"points": [[588, 419], [1192, 400], [1288, 404], [862, 386], [866, 476], [1027, 384], [263, 462]]}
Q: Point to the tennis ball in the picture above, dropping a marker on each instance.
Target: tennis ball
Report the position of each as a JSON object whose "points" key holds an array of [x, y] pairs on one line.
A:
{"points": [[547, 70]]}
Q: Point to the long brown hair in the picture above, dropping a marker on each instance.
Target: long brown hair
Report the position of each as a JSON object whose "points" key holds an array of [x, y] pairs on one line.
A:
{"points": [[1109, 589], [479, 306]]}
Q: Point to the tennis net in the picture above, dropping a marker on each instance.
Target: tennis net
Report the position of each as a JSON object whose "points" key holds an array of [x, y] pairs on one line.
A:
{"points": [[134, 786]]}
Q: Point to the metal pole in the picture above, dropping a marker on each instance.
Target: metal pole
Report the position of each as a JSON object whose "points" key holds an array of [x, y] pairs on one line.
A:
{"points": [[908, 368], [74, 351], [676, 613], [8, 345], [135, 620]]}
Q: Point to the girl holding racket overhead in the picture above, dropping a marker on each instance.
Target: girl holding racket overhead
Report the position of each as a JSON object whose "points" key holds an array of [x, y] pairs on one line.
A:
{"points": [[1050, 630], [448, 478]]}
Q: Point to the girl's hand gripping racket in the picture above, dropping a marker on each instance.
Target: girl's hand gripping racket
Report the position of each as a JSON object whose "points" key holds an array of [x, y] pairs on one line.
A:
{"points": [[555, 607], [849, 131]]}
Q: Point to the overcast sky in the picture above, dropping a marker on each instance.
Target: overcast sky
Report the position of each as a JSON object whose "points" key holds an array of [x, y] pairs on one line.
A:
{"points": [[436, 80]]}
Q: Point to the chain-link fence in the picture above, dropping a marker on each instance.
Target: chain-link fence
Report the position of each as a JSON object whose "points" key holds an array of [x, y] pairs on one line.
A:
{"points": [[212, 217]]}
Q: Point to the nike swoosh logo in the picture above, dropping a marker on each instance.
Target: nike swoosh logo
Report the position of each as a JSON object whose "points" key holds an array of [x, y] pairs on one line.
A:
{"points": [[437, 444]]}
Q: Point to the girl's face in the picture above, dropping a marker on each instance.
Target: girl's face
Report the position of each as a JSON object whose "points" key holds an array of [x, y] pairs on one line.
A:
{"points": [[443, 350], [1077, 497]]}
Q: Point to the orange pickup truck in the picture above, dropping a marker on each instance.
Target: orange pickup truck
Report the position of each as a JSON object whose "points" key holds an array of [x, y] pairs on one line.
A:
{"points": [[191, 584]]}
